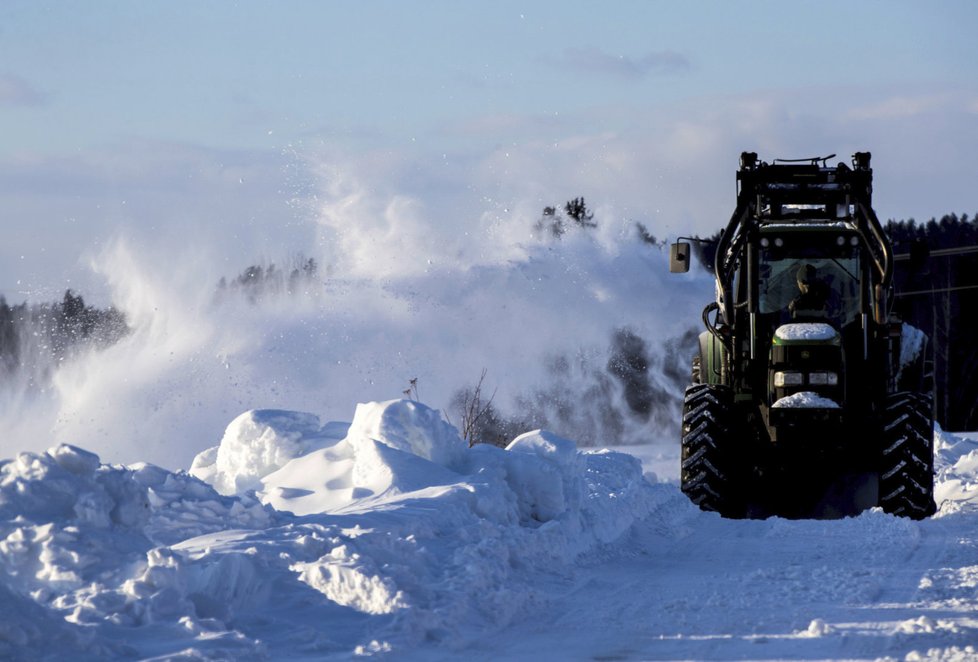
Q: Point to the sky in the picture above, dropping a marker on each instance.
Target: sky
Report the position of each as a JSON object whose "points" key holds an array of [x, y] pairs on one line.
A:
{"points": [[231, 128]]}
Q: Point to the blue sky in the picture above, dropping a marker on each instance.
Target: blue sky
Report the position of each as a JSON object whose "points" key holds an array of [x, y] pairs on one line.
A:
{"points": [[217, 120], [228, 73]]}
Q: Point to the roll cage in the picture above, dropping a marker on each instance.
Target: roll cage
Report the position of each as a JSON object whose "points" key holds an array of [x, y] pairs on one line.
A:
{"points": [[798, 196]]}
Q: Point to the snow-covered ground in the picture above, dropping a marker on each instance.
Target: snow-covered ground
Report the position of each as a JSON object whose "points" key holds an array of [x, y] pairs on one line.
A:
{"points": [[387, 536]]}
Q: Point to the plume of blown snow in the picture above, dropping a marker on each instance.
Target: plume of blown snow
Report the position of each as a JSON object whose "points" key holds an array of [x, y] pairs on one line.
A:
{"points": [[407, 291]]}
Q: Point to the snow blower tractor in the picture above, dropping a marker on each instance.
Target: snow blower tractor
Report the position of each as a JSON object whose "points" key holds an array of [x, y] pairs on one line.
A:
{"points": [[809, 399]]}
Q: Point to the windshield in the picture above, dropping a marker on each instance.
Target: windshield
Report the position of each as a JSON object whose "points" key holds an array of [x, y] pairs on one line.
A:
{"points": [[839, 277]]}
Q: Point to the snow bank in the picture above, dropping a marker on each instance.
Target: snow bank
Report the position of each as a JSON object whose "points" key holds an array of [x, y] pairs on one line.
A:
{"points": [[389, 536], [956, 463], [87, 543], [396, 529]]}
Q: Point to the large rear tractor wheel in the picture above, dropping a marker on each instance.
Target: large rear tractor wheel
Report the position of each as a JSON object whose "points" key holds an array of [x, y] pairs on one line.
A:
{"points": [[907, 470], [708, 476]]}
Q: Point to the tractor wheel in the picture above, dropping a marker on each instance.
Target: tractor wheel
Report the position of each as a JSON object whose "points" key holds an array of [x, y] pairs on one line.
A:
{"points": [[707, 475], [907, 469]]}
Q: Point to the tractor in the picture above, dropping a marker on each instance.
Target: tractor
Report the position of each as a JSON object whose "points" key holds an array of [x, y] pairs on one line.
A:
{"points": [[809, 398]]}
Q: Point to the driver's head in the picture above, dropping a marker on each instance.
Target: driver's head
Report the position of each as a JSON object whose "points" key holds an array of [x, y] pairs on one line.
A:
{"points": [[806, 276]]}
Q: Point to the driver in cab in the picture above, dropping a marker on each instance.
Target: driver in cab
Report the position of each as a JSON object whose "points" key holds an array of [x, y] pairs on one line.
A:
{"points": [[813, 296]]}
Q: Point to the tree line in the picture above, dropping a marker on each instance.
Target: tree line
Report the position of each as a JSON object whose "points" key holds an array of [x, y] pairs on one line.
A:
{"points": [[936, 289], [259, 282], [36, 338]]}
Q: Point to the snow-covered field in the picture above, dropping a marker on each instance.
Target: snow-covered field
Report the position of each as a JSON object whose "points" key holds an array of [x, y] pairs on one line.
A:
{"points": [[306, 540]]}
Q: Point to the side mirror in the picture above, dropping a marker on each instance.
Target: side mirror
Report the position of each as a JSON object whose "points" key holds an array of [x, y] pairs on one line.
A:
{"points": [[679, 258]]}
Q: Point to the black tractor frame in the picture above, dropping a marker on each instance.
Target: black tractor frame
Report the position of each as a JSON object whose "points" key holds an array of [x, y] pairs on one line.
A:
{"points": [[808, 397]]}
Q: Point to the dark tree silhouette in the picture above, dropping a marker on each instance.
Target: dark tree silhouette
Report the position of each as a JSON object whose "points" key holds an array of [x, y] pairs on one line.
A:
{"points": [[578, 211], [36, 338], [555, 224]]}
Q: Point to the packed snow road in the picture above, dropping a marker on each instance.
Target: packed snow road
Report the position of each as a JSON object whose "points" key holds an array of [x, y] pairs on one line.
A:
{"points": [[388, 537], [687, 585]]}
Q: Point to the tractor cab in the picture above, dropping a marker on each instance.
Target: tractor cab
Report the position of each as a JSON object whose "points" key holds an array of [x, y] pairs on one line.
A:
{"points": [[809, 274]]}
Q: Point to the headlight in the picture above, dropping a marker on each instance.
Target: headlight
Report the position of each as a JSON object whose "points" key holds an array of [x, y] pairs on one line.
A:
{"points": [[788, 379], [823, 378]]}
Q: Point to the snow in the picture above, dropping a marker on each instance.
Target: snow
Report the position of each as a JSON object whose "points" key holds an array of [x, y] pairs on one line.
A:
{"points": [[955, 486], [806, 331], [388, 536], [805, 400], [912, 343], [793, 225], [255, 444]]}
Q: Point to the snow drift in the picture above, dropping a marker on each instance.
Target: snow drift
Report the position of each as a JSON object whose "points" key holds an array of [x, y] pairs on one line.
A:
{"points": [[388, 536]]}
